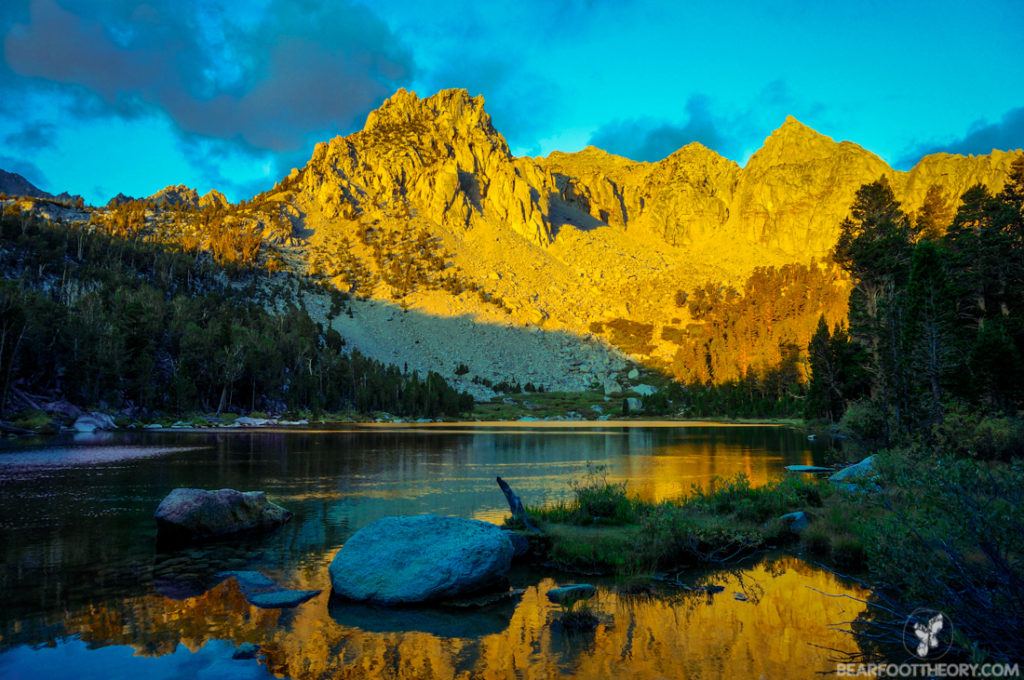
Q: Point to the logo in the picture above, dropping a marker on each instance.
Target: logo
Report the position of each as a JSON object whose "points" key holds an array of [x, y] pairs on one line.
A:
{"points": [[928, 634]]}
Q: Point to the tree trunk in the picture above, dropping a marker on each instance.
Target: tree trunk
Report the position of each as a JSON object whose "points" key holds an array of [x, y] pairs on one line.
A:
{"points": [[516, 505]]}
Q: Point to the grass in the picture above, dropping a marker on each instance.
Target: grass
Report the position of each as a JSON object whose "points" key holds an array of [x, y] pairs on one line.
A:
{"points": [[34, 419], [603, 529]]}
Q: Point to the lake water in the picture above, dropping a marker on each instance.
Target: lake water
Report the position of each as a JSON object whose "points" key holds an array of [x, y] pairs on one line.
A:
{"points": [[86, 594]]}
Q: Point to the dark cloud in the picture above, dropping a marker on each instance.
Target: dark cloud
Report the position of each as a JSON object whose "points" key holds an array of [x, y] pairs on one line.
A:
{"points": [[733, 133], [32, 136], [272, 82], [980, 138], [648, 140]]}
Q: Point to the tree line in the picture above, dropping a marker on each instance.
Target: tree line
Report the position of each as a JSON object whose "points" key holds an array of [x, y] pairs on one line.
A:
{"points": [[102, 320], [936, 323]]}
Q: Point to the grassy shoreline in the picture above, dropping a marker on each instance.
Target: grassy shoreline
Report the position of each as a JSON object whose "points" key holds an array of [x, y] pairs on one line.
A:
{"points": [[922, 530]]}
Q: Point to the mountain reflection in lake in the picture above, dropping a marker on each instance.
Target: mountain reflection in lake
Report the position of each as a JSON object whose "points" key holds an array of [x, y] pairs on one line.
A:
{"points": [[86, 594]]}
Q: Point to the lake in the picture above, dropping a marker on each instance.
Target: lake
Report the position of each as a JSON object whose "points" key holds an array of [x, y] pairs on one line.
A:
{"points": [[86, 593]]}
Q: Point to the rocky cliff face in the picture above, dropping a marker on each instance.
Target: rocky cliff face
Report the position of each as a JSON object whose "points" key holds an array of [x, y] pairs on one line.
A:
{"points": [[440, 158], [592, 247], [461, 253], [790, 197]]}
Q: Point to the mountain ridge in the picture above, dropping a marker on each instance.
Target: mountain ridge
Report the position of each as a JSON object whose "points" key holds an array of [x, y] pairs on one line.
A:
{"points": [[427, 210]]}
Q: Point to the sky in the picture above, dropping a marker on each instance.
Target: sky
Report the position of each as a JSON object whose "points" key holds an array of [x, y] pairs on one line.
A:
{"points": [[105, 96]]}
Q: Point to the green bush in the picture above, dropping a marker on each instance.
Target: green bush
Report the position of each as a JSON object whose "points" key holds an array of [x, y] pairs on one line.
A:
{"points": [[865, 421], [968, 433]]}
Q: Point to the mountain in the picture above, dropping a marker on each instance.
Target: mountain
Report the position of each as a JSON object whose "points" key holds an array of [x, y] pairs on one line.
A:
{"points": [[557, 270], [581, 243], [13, 184]]}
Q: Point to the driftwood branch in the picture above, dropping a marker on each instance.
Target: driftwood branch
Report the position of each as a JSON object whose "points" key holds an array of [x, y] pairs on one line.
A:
{"points": [[516, 505]]}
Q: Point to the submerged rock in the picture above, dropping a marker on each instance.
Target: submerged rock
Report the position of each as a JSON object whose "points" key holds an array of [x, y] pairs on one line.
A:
{"points": [[197, 514], [262, 591], [282, 599], [423, 558], [573, 592], [807, 468]]}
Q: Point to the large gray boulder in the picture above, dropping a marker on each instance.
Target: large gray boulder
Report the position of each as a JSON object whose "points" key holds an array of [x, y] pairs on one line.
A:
{"points": [[91, 422], [423, 558], [857, 477], [198, 514]]}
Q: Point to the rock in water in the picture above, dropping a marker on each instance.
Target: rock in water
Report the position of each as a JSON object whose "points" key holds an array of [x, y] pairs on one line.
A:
{"points": [[423, 558], [197, 514], [572, 593]]}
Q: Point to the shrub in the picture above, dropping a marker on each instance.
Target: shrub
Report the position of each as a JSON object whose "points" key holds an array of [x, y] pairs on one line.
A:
{"points": [[866, 422], [598, 500]]}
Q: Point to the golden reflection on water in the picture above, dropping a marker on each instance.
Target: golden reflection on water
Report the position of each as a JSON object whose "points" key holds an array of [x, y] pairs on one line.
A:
{"points": [[782, 631]]}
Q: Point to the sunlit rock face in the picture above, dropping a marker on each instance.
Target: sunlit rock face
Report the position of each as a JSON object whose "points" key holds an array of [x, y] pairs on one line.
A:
{"points": [[680, 199], [797, 188], [578, 245], [176, 196], [440, 157]]}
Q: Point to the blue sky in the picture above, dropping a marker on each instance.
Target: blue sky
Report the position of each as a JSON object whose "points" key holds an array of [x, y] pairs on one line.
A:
{"points": [[98, 97]]}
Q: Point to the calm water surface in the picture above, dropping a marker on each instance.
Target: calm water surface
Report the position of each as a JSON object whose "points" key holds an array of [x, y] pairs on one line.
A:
{"points": [[86, 593]]}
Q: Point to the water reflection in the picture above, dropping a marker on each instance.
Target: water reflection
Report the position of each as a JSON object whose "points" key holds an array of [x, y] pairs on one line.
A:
{"points": [[80, 557]]}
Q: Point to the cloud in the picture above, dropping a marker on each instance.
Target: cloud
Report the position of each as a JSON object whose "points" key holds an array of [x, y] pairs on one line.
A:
{"points": [[733, 133], [980, 138], [32, 136], [270, 82], [651, 140]]}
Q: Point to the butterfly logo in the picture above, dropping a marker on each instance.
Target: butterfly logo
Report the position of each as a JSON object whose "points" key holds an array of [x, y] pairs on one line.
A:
{"points": [[928, 635], [926, 631]]}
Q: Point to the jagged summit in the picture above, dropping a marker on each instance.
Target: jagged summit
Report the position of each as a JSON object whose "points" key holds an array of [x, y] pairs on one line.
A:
{"points": [[441, 159], [176, 195], [455, 107]]}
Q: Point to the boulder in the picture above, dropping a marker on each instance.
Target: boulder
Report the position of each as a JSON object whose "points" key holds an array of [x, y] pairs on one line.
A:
{"points": [[795, 522], [857, 477], [573, 592], [422, 558], [91, 422], [611, 387], [634, 405], [197, 514], [633, 374], [645, 390]]}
